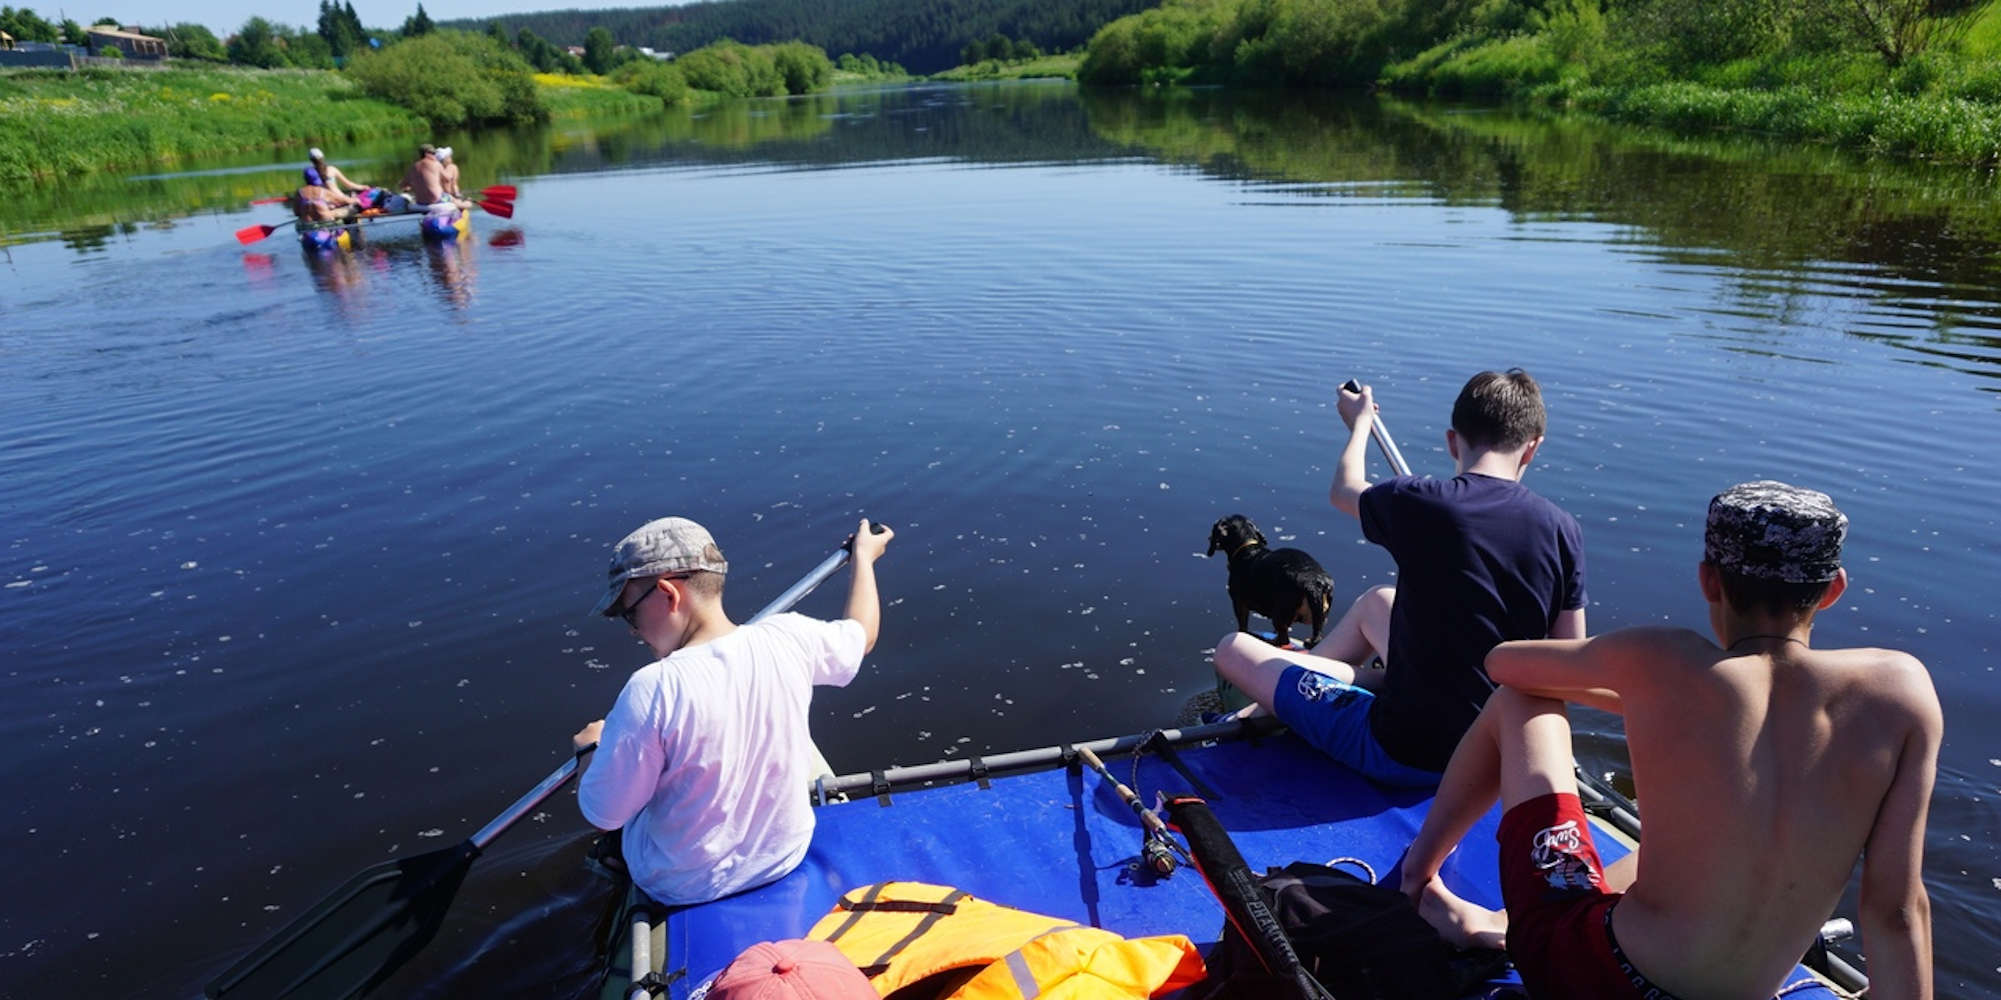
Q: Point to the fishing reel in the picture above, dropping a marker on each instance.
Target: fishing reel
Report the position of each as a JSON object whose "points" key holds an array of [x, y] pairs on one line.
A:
{"points": [[1158, 856]]}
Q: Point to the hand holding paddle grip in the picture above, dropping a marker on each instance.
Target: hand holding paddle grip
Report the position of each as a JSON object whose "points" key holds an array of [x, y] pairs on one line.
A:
{"points": [[874, 528]]}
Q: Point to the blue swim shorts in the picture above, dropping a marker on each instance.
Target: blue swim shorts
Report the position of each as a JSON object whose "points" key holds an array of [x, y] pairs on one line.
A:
{"points": [[1334, 717]]}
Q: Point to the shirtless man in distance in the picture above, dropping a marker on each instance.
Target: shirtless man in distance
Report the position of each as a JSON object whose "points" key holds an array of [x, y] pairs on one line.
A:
{"points": [[425, 181], [1766, 767]]}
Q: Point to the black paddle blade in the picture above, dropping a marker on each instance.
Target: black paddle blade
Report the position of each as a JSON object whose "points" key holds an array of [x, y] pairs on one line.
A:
{"points": [[357, 936]]}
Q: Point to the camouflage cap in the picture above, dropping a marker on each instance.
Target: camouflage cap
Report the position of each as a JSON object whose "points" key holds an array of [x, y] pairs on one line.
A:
{"points": [[1775, 531], [657, 548]]}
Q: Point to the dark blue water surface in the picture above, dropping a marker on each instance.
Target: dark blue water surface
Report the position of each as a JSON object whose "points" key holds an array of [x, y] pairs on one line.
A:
{"points": [[297, 550]]}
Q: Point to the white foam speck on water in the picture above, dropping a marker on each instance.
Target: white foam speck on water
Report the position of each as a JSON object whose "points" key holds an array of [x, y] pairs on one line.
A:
{"points": [[18, 584], [1996, 761], [416, 624], [432, 832], [1164, 486], [92, 936], [463, 682], [190, 564]]}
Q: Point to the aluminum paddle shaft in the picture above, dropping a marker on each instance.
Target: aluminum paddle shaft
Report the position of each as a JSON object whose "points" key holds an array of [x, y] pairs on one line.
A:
{"points": [[1381, 434]]}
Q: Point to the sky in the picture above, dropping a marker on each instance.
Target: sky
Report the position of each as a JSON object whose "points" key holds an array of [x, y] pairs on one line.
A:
{"points": [[225, 16]]}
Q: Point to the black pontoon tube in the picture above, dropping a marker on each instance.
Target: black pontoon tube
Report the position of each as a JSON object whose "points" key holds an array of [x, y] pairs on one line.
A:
{"points": [[893, 779]]}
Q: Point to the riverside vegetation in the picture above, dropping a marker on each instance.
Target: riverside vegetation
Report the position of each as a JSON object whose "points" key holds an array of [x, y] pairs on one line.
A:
{"points": [[63, 123], [1915, 77]]}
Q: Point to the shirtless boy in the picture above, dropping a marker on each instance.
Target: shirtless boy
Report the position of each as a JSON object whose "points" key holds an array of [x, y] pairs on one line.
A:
{"points": [[1766, 767], [425, 182]]}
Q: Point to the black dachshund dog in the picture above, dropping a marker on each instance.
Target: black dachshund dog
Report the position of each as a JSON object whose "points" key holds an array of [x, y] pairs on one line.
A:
{"points": [[1284, 585]]}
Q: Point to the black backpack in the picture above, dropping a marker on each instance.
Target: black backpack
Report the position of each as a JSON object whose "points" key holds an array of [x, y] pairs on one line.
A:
{"points": [[1360, 940]]}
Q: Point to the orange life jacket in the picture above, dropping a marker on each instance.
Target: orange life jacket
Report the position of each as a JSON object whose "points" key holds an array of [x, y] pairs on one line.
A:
{"points": [[901, 933]]}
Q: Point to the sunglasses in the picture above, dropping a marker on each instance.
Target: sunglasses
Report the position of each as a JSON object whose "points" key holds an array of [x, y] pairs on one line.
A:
{"points": [[631, 611]]}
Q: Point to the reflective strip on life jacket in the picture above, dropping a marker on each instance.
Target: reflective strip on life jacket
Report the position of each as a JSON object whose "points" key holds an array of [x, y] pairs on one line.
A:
{"points": [[1085, 963]]}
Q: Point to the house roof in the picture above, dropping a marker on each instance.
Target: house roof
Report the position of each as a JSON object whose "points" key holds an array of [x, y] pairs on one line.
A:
{"points": [[122, 33]]}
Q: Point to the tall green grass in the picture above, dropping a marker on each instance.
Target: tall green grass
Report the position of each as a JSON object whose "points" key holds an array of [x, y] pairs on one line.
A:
{"points": [[62, 123]]}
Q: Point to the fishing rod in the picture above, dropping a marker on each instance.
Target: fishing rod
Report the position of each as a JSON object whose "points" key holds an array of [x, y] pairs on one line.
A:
{"points": [[350, 941], [1157, 847]]}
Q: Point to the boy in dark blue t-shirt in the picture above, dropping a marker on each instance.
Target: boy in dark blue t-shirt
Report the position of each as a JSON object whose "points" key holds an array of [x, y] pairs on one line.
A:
{"points": [[1480, 560]]}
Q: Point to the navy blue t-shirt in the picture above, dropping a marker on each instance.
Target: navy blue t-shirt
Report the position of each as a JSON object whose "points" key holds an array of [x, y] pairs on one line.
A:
{"points": [[1480, 561]]}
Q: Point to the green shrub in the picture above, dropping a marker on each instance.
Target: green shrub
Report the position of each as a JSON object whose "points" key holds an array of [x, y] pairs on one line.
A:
{"points": [[453, 78], [654, 79], [804, 67], [733, 68], [1178, 38]]}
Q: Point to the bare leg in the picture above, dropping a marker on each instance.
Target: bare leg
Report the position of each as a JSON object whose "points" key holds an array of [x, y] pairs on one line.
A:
{"points": [[1362, 632], [1619, 875], [1254, 666], [1518, 749]]}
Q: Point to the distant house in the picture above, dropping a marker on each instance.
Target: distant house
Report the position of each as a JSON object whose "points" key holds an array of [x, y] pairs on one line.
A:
{"points": [[650, 54], [132, 43], [6, 41], [575, 50]]}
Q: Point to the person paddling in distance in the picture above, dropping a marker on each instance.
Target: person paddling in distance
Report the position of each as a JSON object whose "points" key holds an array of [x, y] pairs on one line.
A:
{"points": [[448, 171], [1766, 767], [705, 758], [424, 182], [1480, 559], [316, 201], [331, 175]]}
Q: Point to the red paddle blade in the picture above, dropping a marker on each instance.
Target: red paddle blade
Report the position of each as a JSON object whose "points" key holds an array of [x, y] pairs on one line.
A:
{"points": [[504, 209], [268, 201], [505, 191], [251, 234]]}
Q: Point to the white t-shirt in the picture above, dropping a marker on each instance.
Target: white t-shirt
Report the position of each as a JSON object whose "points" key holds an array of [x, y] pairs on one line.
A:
{"points": [[706, 757]]}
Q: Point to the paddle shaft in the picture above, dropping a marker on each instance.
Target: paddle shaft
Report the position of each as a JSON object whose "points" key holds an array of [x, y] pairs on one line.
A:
{"points": [[561, 776], [1381, 434]]}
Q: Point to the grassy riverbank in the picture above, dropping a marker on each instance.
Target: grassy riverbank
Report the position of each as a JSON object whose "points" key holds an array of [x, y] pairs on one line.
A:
{"points": [[1942, 102], [1910, 77], [1064, 66], [64, 123]]}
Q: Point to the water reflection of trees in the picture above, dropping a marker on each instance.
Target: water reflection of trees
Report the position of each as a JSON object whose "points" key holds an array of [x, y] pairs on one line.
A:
{"points": [[1779, 223], [1787, 222]]}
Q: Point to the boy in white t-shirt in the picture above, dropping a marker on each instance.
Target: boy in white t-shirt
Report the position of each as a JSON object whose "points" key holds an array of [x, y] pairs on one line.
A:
{"points": [[705, 758]]}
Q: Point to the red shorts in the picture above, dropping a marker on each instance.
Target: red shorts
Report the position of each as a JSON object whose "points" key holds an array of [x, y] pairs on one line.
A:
{"points": [[1559, 911]]}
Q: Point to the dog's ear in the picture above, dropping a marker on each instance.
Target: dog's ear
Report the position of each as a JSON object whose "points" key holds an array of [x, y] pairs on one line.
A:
{"points": [[1215, 539]]}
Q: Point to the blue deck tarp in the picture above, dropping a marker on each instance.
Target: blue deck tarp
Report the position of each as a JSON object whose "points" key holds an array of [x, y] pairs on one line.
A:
{"points": [[1060, 842]]}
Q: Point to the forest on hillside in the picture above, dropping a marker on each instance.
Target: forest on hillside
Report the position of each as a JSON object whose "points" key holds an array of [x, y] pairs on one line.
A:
{"points": [[924, 35]]}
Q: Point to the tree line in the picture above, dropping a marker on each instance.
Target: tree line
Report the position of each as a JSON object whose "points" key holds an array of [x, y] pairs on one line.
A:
{"points": [[924, 35], [1334, 43]]}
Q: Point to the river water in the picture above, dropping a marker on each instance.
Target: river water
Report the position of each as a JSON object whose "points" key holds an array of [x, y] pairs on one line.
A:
{"points": [[297, 550]]}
